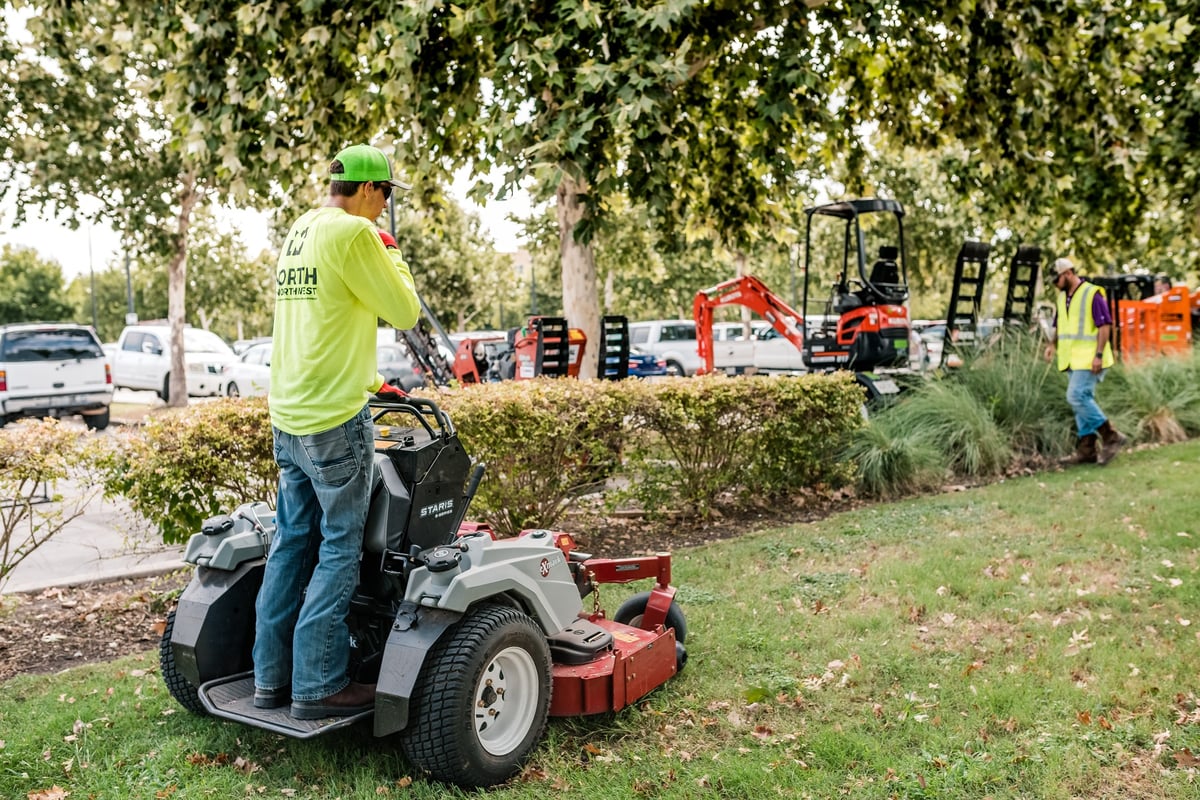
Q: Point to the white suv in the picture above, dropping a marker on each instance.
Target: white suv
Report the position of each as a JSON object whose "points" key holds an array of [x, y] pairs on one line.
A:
{"points": [[54, 370], [142, 360], [672, 340]]}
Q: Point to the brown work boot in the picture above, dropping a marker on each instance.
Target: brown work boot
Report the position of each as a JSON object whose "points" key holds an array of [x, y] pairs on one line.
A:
{"points": [[354, 699], [1111, 442], [1085, 452]]}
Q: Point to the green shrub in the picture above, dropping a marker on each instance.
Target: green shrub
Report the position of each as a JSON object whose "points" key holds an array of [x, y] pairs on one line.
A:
{"points": [[716, 438], [805, 423], [183, 466], [695, 443], [34, 457], [543, 441]]}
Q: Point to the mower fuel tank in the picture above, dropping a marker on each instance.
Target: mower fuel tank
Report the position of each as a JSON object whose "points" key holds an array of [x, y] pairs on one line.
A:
{"points": [[530, 568], [227, 541]]}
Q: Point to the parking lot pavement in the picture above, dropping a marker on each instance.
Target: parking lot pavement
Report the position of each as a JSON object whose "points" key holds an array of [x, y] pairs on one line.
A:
{"points": [[105, 543], [137, 397]]}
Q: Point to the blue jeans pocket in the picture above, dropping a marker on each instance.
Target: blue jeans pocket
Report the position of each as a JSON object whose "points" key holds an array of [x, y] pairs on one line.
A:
{"points": [[332, 456]]}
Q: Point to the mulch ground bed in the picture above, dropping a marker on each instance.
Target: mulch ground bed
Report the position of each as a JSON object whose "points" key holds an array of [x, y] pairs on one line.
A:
{"points": [[48, 631]]}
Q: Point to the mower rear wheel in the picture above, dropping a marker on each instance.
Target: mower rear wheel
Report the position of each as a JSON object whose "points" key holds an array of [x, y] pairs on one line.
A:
{"points": [[632, 610], [481, 702], [179, 686]]}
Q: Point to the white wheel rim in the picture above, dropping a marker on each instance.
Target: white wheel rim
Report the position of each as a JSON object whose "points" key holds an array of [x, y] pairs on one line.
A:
{"points": [[505, 701]]}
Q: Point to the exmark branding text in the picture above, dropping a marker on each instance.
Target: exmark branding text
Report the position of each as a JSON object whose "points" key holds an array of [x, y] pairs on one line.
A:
{"points": [[437, 509]]}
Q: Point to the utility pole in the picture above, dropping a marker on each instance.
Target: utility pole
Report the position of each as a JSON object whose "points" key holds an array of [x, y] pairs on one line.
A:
{"points": [[130, 315], [92, 272]]}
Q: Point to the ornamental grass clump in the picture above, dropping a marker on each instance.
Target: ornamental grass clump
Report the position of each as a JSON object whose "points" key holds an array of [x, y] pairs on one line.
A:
{"points": [[947, 416], [1022, 391], [1157, 400], [892, 462]]}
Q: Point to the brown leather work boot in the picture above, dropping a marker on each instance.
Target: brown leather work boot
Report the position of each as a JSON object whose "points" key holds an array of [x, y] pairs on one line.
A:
{"points": [[1085, 452], [1111, 442], [356, 698]]}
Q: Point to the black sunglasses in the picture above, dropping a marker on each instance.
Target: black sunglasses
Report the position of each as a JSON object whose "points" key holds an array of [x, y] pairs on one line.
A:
{"points": [[386, 188]]}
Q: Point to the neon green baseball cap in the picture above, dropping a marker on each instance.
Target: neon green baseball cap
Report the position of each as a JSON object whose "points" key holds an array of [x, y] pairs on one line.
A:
{"points": [[362, 163]]}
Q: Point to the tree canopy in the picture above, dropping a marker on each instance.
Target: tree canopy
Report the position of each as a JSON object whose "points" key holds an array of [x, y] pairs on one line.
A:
{"points": [[717, 119], [31, 288]]}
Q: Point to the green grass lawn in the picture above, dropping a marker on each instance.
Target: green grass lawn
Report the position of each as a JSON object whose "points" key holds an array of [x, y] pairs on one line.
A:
{"points": [[1036, 638]]}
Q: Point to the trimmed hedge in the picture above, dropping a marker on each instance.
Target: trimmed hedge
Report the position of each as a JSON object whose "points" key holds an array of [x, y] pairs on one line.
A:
{"points": [[183, 466], [679, 445]]}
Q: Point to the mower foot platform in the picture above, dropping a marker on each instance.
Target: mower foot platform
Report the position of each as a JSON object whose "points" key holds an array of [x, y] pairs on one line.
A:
{"points": [[232, 697]]}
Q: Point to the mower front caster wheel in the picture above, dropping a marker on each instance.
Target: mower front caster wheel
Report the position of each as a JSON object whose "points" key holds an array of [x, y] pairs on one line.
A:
{"points": [[632, 610]]}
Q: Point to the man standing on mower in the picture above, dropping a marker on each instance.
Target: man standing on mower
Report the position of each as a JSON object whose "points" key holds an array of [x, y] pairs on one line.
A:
{"points": [[1083, 328], [334, 280]]}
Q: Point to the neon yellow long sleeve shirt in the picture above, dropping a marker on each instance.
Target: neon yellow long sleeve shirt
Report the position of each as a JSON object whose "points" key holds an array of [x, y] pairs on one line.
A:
{"points": [[333, 280]]}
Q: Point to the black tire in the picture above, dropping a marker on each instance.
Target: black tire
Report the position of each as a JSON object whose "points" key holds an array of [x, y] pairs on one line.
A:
{"points": [[480, 705], [232, 390], [631, 612], [96, 422], [165, 392], [179, 686], [675, 369]]}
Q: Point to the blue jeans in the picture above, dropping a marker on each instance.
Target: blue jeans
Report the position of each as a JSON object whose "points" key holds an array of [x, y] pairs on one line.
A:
{"points": [[1081, 394], [324, 492]]}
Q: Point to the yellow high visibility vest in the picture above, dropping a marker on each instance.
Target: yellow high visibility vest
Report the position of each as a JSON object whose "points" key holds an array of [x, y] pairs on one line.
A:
{"points": [[1077, 330]]}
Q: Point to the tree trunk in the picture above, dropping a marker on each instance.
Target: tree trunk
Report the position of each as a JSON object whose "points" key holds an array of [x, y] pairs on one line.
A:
{"points": [[739, 262], [581, 301], [176, 284]]}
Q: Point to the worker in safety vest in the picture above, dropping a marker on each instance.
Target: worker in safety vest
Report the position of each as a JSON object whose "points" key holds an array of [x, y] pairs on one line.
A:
{"points": [[1083, 328]]}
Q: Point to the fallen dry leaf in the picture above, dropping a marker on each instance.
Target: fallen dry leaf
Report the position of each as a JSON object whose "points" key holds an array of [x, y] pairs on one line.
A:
{"points": [[245, 767], [53, 793]]}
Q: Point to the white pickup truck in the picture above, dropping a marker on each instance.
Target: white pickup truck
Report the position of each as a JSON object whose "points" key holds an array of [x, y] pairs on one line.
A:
{"points": [[764, 351], [142, 360], [672, 340], [54, 370]]}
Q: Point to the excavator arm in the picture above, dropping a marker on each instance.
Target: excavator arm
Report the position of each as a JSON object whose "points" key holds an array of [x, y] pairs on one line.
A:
{"points": [[746, 291]]}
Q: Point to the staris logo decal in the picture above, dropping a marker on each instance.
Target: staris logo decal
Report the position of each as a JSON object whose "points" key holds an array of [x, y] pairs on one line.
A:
{"points": [[437, 509], [544, 567]]}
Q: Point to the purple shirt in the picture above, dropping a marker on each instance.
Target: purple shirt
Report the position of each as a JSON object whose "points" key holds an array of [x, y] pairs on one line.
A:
{"points": [[1101, 315]]}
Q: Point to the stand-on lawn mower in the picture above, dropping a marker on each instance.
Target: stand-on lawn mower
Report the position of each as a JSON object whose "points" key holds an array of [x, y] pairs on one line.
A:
{"points": [[472, 641]]}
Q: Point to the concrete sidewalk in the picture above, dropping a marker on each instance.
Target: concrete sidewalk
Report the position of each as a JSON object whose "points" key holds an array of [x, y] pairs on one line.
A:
{"points": [[108, 541], [105, 543]]}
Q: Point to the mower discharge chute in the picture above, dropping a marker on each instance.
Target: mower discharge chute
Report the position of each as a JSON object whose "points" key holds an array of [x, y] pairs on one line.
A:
{"points": [[472, 641]]}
